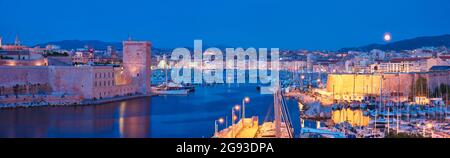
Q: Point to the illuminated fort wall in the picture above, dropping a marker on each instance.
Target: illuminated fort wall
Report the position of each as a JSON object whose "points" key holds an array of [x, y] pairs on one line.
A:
{"points": [[369, 84], [87, 82], [137, 63]]}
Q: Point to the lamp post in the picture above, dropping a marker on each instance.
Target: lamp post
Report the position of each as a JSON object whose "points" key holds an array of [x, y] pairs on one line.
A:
{"points": [[238, 109], [245, 100], [233, 118], [216, 129]]}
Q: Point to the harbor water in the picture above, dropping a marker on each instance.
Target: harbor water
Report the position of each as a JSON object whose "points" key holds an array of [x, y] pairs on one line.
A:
{"points": [[190, 116]]}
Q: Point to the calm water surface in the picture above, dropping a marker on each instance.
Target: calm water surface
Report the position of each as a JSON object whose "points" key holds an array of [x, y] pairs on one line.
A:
{"points": [[155, 117]]}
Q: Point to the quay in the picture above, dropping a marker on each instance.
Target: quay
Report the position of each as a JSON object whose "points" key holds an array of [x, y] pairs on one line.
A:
{"points": [[249, 128], [63, 102], [245, 128], [281, 127]]}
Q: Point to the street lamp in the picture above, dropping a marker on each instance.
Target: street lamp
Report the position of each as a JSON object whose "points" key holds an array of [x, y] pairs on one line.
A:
{"points": [[216, 129], [238, 109], [234, 117], [245, 100]]}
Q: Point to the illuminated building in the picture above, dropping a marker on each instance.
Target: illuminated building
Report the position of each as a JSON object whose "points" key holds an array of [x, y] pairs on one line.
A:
{"points": [[137, 63], [69, 84], [403, 86]]}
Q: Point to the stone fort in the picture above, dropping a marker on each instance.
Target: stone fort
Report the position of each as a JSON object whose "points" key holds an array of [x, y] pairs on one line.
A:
{"points": [[74, 84]]}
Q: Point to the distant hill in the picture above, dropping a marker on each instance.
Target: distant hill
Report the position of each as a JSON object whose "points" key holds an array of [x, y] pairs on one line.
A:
{"points": [[101, 45], [97, 45], [409, 44]]}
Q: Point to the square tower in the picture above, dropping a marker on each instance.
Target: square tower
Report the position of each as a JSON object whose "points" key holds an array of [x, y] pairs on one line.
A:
{"points": [[137, 63]]}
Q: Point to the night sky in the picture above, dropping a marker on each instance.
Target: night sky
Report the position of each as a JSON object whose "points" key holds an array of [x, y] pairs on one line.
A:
{"points": [[292, 24]]}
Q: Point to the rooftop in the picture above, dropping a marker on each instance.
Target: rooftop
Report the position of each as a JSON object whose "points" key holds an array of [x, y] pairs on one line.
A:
{"points": [[440, 68]]}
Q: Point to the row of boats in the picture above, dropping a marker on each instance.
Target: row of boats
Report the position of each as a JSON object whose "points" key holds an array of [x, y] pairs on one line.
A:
{"points": [[399, 117], [375, 109], [171, 88]]}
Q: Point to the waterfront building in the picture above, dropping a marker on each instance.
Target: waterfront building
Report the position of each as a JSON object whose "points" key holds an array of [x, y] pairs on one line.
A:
{"points": [[15, 52], [406, 65], [67, 84], [395, 86], [310, 62], [18, 55], [293, 65], [137, 63]]}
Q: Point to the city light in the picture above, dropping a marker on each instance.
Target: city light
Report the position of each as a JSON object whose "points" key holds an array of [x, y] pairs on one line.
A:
{"points": [[247, 99], [237, 107], [221, 120], [235, 117]]}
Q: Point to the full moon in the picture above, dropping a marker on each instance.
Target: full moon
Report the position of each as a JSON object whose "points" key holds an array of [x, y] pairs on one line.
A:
{"points": [[387, 37]]}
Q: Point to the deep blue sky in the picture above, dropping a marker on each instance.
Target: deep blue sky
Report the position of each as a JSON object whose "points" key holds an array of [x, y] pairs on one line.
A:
{"points": [[295, 24]]}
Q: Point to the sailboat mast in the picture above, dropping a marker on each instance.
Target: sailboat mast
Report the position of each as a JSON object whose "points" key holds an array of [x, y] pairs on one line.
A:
{"points": [[398, 101], [165, 68]]}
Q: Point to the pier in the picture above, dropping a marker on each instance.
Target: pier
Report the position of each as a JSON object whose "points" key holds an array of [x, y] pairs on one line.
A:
{"points": [[281, 127], [244, 128]]}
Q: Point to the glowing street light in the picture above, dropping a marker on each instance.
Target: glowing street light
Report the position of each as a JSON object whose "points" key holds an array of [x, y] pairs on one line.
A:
{"points": [[237, 107], [221, 120], [216, 129], [245, 100], [234, 117]]}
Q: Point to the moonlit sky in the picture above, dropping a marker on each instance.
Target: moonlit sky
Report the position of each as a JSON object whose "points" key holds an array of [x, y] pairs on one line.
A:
{"points": [[291, 24]]}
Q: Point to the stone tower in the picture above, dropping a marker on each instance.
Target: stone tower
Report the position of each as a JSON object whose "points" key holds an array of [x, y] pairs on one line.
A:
{"points": [[137, 62]]}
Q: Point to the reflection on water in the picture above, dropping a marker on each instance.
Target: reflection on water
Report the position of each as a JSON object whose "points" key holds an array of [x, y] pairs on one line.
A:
{"points": [[125, 119], [164, 116], [354, 117]]}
